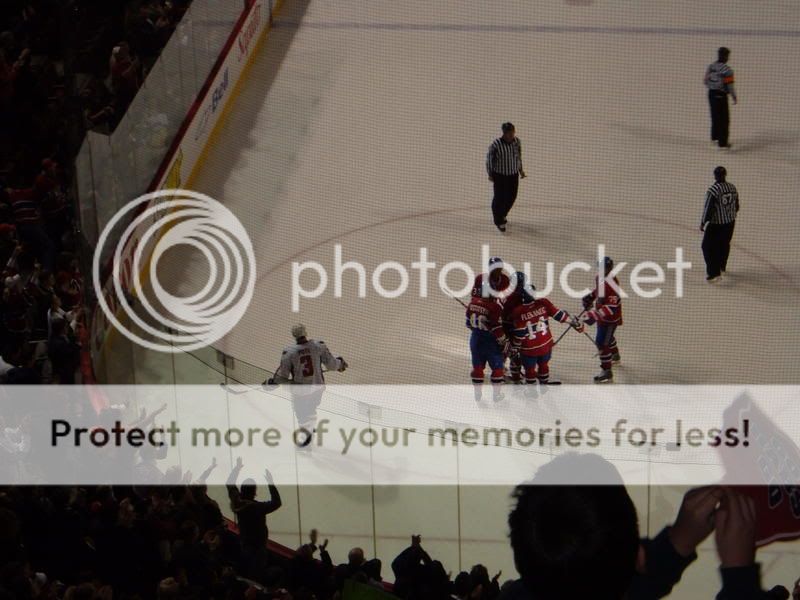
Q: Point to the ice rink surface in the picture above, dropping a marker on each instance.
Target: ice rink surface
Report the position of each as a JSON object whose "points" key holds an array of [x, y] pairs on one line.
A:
{"points": [[366, 124]]}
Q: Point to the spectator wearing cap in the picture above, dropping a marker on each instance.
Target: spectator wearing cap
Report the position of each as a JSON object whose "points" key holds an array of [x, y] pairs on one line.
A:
{"points": [[504, 167]]}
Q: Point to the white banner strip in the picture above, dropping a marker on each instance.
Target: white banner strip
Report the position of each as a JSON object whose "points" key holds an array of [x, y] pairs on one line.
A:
{"points": [[389, 435]]}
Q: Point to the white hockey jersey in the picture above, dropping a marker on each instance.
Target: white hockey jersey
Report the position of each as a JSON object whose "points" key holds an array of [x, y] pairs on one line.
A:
{"points": [[302, 363]]}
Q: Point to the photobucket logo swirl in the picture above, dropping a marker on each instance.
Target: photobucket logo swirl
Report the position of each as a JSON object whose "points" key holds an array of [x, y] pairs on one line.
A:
{"points": [[178, 218]]}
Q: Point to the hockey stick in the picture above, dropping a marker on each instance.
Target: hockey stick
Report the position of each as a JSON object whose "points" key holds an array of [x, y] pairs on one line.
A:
{"points": [[590, 338], [563, 333], [292, 382], [230, 390], [457, 300]]}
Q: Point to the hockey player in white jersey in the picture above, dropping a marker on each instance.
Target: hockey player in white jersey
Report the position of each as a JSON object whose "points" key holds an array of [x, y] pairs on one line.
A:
{"points": [[302, 362]]}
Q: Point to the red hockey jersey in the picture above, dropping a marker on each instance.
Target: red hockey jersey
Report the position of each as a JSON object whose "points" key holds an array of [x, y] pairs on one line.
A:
{"points": [[485, 314], [607, 302], [531, 326]]}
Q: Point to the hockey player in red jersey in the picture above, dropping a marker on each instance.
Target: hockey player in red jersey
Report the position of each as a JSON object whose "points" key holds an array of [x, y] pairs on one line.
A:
{"points": [[512, 301], [488, 341], [532, 334], [498, 280], [607, 313]]}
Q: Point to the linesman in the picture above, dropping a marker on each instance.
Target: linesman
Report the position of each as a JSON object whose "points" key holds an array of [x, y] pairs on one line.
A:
{"points": [[719, 81], [717, 223]]}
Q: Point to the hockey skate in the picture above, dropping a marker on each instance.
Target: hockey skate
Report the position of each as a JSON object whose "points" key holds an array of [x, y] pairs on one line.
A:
{"points": [[605, 377]]}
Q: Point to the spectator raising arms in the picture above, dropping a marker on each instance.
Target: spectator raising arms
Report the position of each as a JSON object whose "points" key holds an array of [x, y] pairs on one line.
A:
{"points": [[252, 517]]}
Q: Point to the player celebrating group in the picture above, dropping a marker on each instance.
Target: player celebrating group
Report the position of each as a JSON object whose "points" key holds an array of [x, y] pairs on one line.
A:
{"points": [[510, 322], [531, 334], [607, 313]]}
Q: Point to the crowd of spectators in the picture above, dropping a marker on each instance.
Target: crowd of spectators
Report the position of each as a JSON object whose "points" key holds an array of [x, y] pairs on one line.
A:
{"points": [[171, 541], [140, 31], [65, 66]]}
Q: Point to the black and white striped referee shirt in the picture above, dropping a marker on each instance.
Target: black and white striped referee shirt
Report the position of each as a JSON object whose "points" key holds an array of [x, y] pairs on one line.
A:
{"points": [[719, 78], [722, 204], [504, 157]]}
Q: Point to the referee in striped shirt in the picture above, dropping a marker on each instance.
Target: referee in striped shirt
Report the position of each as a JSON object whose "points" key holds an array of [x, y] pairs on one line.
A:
{"points": [[719, 81], [718, 220], [504, 166]]}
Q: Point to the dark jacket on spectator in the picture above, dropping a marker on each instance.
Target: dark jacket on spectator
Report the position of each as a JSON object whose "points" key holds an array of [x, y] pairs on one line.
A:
{"points": [[252, 515], [65, 356], [306, 572], [664, 570]]}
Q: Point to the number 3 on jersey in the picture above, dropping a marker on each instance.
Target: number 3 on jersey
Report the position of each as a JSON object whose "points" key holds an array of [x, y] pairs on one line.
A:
{"points": [[308, 366]]}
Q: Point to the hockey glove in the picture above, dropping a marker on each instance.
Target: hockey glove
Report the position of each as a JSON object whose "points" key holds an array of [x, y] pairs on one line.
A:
{"points": [[577, 325]]}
